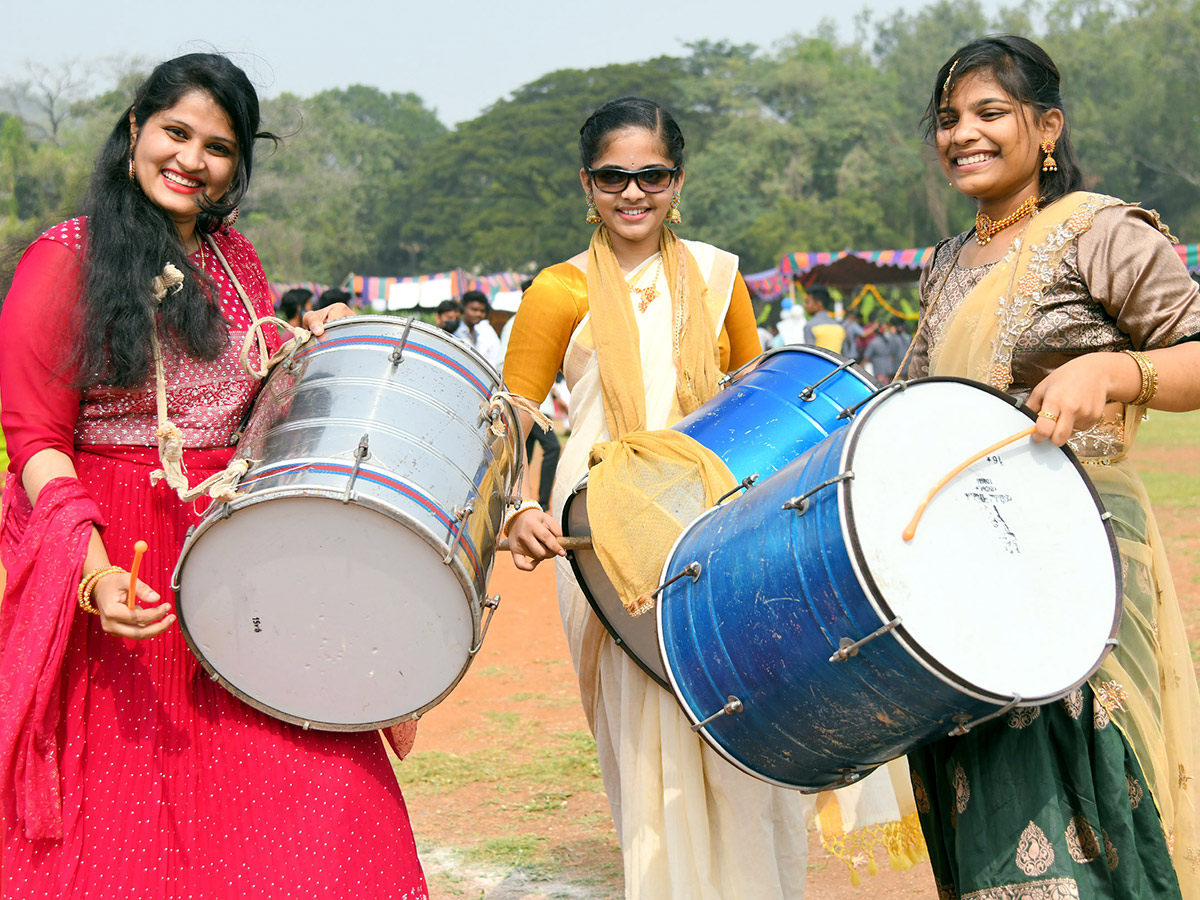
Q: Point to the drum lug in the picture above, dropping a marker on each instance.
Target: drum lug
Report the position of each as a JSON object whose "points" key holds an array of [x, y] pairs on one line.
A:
{"points": [[732, 706], [693, 569], [810, 392], [849, 775], [964, 723], [361, 452], [460, 517], [397, 355], [800, 503], [491, 604], [744, 485], [179, 564], [848, 647], [850, 411]]}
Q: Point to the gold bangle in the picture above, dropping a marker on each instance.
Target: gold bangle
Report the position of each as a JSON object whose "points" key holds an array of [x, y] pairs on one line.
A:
{"points": [[88, 584], [515, 511], [1149, 375]]}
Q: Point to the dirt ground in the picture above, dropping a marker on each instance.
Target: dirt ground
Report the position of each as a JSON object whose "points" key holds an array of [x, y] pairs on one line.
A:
{"points": [[519, 698]]}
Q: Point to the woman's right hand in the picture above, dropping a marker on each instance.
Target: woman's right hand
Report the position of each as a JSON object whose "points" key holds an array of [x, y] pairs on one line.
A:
{"points": [[111, 597], [533, 536]]}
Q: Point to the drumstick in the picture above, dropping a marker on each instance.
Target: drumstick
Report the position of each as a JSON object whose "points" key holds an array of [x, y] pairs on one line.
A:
{"points": [[567, 543], [138, 549], [911, 530]]}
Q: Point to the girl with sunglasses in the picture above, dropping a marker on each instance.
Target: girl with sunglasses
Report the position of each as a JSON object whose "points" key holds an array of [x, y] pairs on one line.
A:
{"points": [[642, 324], [1077, 304], [125, 771]]}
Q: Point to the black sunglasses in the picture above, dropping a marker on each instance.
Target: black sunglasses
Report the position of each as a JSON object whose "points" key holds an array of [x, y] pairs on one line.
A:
{"points": [[652, 179]]}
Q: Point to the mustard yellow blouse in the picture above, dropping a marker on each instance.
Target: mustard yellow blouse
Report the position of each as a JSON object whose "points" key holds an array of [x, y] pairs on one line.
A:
{"points": [[556, 303]]}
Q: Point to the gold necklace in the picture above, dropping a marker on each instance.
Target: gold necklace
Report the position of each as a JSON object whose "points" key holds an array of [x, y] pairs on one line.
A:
{"points": [[648, 294], [987, 228]]}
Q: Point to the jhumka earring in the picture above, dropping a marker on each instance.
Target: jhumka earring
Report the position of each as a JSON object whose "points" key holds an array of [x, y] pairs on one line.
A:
{"points": [[593, 214], [232, 217], [132, 176], [1048, 164], [673, 216]]}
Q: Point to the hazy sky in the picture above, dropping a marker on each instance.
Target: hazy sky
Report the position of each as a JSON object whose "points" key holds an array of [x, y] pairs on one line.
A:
{"points": [[460, 57]]}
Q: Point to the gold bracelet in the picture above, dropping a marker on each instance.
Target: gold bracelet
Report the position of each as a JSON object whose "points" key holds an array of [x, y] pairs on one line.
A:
{"points": [[1149, 377], [515, 511], [88, 584]]}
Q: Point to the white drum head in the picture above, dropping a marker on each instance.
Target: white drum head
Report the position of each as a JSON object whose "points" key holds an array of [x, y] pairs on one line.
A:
{"points": [[375, 626], [1010, 584]]}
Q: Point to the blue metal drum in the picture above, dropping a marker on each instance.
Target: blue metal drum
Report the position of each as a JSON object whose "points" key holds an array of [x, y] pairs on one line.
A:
{"points": [[773, 410], [809, 642], [768, 413]]}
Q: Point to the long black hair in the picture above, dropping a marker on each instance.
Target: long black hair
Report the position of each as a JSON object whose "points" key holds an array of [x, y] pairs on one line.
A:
{"points": [[629, 112], [1030, 77], [130, 238]]}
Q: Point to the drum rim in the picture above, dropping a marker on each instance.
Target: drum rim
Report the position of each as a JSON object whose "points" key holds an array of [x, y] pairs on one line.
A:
{"points": [[581, 580], [875, 596], [855, 369], [474, 602], [401, 322]]}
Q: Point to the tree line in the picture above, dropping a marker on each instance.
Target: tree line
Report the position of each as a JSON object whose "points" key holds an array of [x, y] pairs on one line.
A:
{"points": [[813, 144]]}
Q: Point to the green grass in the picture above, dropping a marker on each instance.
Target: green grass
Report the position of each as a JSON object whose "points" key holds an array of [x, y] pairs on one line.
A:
{"points": [[1178, 485]]}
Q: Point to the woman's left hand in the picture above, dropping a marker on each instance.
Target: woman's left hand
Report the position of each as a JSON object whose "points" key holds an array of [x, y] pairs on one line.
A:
{"points": [[314, 320], [1072, 397]]}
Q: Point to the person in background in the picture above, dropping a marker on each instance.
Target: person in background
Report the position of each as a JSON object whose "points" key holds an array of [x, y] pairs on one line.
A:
{"points": [[125, 771], [448, 315], [1076, 304], [476, 330], [854, 330], [332, 297], [294, 304], [884, 353], [822, 329]]}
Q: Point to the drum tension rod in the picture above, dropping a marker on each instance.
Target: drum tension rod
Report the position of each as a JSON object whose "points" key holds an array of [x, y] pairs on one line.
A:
{"points": [[491, 604], [851, 410], [732, 706], [744, 485], [965, 724], [800, 503], [810, 392], [460, 518], [693, 569], [847, 647], [397, 355], [361, 452]]}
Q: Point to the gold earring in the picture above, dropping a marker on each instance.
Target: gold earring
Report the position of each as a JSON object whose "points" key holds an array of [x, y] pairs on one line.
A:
{"points": [[673, 216], [593, 214], [132, 176], [232, 217], [1048, 164]]}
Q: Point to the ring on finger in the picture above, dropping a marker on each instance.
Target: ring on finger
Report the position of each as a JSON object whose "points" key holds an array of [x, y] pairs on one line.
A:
{"points": [[1053, 417]]}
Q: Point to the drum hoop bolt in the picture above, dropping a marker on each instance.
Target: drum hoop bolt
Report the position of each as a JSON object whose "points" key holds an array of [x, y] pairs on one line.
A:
{"points": [[850, 411], [965, 723], [848, 647], [800, 503], [460, 517], [397, 355], [361, 452], [744, 485], [732, 706], [693, 569], [810, 392]]}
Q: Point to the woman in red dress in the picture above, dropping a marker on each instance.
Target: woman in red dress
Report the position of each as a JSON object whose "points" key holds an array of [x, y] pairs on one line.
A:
{"points": [[125, 771]]}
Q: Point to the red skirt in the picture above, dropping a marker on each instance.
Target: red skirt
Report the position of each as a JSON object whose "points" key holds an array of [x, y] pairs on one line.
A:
{"points": [[172, 787]]}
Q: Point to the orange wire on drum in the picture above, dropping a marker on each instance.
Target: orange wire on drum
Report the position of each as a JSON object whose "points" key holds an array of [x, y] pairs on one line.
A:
{"points": [[911, 530]]}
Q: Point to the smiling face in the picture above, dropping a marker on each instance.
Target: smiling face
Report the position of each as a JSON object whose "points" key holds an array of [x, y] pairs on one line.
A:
{"points": [[989, 144], [633, 217], [182, 153]]}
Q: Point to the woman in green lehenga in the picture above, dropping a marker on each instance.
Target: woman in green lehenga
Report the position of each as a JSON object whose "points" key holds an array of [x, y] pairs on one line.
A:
{"points": [[1077, 304]]}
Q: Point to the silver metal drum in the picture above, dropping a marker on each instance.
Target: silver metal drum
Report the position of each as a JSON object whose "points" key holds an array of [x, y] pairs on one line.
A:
{"points": [[344, 590]]}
